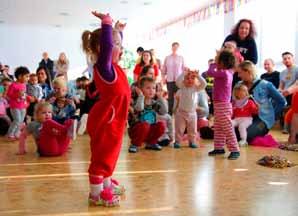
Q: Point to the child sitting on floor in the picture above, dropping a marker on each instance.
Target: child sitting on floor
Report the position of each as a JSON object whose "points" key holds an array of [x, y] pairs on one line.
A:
{"points": [[51, 138]]}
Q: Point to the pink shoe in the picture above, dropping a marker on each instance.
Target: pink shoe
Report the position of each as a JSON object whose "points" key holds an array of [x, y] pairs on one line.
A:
{"points": [[106, 199]]}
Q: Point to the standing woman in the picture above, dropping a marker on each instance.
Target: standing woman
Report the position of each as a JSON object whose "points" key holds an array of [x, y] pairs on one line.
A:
{"points": [[62, 65], [243, 34], [147, 59], [268, 98]]}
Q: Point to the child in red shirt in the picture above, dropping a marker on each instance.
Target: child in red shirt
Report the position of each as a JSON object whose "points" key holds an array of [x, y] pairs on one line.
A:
{"points": [[243, 110]]}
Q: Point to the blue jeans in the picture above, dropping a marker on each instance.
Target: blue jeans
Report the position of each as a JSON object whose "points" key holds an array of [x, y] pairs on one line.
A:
{"points": [[18, 116]]}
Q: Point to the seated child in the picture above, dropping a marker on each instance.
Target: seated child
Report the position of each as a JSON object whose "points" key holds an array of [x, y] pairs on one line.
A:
{"points": [[51, 138], [144, 126], [291, 117], [4, 119], [63, 109], [243, 110], [35, 91], [189, 84]]}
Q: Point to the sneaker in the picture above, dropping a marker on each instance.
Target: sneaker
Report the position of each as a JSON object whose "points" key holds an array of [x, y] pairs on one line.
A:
{"points": [[106, 198], [155, 147], [234, 155], [192, 145], [164, 142], [133, 149], [83, 124], [176, 145], [242, 143], [11, 137], [216, 152]]}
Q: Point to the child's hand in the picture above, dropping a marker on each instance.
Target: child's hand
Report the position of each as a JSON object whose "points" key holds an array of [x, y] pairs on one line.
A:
{"points": [[52, 100], [105, 18], [285, 93], [159, 93], [120, 26], [139, 91]]}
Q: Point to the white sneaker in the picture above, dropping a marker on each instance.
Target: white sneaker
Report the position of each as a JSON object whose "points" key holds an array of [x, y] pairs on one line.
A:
{"points": [[72, 131], [83, 124], [242, 143]]}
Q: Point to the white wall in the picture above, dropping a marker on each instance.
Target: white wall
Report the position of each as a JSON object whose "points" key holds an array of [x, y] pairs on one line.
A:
{"points": [[24, 45]]}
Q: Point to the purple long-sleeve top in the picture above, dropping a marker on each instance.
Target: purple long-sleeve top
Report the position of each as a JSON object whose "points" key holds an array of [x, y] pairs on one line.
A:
{"points": [[222, 87], [104, 61]]}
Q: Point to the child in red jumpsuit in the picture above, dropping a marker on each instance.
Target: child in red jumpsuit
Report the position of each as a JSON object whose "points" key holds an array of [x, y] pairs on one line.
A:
{"points": [[51, 137], [108, 116]]}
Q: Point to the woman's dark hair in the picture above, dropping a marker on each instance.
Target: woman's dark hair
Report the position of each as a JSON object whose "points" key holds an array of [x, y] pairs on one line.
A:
{"points": [[227, 59], [152, 61], [252, 29], [20, 71], [48, 81]]}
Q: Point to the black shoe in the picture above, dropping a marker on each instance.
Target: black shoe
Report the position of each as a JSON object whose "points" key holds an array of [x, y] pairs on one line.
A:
{"points": [[133, 149], [164, 142], [155, 147], [216, 152], [234, 155]]}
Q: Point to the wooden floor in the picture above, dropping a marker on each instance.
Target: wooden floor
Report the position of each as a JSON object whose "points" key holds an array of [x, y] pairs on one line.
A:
{"points": [[171, 182]]}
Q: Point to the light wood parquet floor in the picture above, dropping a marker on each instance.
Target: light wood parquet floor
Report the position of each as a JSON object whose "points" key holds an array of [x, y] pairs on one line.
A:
{"points": [[171, 182]]}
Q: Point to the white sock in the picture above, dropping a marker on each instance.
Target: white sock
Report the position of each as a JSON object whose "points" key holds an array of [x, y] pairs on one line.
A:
{"points": [[107, 182], [95, 189]]}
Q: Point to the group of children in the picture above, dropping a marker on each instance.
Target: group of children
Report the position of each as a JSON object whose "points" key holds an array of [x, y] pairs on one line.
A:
{"points": [[23, 101], [108, 102]]}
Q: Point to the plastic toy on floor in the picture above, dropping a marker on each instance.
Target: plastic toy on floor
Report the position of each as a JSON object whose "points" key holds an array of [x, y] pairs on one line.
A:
{"points": [[275, 161]]}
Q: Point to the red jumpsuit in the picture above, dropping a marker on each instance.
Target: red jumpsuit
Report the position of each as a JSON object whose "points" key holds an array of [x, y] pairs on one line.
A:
{"points": [[107, 122]]}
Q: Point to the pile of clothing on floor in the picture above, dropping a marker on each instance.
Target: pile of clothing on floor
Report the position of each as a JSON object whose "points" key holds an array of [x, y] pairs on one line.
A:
{"points": [[275, 161]]}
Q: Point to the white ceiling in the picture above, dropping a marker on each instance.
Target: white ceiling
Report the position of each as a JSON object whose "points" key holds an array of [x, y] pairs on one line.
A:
{"points": [[141, 15]]}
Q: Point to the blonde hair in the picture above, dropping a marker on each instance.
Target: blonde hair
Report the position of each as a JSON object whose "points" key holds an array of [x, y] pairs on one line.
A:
{"points": [[240, 87], [59, 82], [40, 106], [249, 67], [90, 41]]}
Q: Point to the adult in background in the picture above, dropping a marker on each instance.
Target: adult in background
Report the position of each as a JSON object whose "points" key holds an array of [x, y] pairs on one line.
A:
{"points": [[269, 100], [4, 73], [44, 81], [244, 34], [289, 76], [271, 75], [140, 50], [48, 64], [145, 60], [62, 65], [173, 66]]}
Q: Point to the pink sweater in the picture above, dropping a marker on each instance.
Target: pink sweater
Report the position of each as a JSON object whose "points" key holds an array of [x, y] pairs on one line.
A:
{"points": [[17, 96]]}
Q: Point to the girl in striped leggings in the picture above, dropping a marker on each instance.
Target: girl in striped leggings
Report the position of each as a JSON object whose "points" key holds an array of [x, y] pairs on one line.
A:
{"points": [[223, 129]]}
